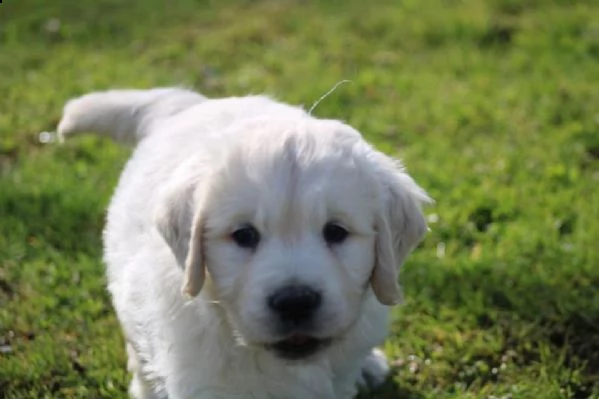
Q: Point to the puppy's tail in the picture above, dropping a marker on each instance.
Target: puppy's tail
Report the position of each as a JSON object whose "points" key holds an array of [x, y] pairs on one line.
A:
{"points": [[124, 115]]}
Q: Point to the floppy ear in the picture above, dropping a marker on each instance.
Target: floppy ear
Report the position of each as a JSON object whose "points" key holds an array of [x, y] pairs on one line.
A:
{"points": [[181, 227], [195, 268], [400, 226]]}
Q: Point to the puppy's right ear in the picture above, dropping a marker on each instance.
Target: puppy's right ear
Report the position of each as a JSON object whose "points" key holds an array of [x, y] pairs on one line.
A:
{"points": [[182, 229]]}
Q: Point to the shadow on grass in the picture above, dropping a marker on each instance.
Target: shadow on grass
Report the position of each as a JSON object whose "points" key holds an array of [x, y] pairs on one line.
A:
{"points": [[559, 308], [390, 390], [58, 218], [92, 22]]}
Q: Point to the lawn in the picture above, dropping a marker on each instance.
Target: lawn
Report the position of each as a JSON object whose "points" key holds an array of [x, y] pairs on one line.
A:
{"points": [[493, 105]]}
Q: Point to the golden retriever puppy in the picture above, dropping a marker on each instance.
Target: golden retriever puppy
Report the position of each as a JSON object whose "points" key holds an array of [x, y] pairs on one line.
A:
{"points": [[252, 250]]}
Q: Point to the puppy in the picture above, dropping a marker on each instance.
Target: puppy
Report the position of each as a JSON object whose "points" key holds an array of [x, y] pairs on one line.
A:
{"points": [[252, 250]]}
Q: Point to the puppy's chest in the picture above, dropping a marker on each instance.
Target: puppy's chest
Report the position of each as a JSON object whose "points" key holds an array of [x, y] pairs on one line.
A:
{"points": [[264, 392], [267, 382]]}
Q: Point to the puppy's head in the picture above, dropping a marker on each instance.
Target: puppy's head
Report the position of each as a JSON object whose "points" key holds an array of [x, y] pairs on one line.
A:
{"points": [[297, 225]]}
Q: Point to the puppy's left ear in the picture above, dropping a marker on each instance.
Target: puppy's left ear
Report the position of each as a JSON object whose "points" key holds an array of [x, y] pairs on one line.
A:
{"points": [[400, 226], [182, 228]]}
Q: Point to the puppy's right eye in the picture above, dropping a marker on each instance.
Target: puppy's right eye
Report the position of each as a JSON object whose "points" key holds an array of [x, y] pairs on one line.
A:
{"points": [[334, 233], [246, 236]]}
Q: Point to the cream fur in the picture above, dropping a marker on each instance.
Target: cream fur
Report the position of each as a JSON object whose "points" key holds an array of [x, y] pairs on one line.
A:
{"points": [[200, 167]]}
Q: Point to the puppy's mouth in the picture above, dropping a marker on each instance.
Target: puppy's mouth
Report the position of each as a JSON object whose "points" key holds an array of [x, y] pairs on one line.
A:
{"points": [[298, 346]]}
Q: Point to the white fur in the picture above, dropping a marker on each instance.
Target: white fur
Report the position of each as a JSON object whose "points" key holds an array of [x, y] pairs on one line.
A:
{"points": [[200, 168]]}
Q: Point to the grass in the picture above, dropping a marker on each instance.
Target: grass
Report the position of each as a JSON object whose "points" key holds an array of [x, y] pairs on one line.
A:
{"points": [[493, 105]]}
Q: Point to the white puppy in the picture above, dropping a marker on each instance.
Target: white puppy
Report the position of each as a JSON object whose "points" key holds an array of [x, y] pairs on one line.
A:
{"points": [[285, 231]]}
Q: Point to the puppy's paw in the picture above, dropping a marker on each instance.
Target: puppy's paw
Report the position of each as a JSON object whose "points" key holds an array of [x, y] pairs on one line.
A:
{"points": [[375, 370]]}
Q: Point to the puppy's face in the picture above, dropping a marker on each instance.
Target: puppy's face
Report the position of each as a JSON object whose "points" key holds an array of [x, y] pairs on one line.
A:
{"points": [[289, 245], [291, 231]]}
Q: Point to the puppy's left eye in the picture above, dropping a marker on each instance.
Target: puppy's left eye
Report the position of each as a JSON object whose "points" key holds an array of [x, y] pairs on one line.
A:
{"points": [[246, 236], [334, 233]]}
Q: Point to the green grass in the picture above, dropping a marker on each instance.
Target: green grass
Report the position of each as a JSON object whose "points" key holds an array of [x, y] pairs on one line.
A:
{"points": [[493, 105]]}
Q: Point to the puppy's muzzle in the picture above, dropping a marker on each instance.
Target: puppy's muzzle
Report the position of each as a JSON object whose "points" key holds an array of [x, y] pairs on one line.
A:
{"points": [[295, 305]]}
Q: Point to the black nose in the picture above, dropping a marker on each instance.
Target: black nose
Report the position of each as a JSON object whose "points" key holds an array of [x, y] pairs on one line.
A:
{"points": [[295, 303]]}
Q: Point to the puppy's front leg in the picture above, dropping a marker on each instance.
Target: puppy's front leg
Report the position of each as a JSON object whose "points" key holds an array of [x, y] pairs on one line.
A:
{"points": [[375, 369], [372, 372]]}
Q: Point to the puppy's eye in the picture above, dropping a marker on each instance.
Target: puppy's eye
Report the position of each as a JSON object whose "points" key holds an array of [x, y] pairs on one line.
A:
{"points": [[334, 233], [246, 236]]}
